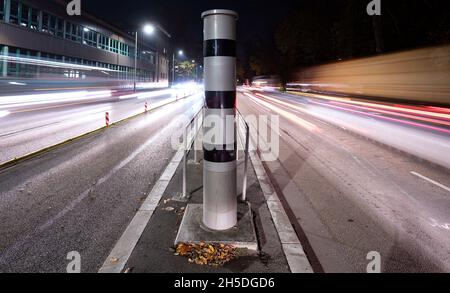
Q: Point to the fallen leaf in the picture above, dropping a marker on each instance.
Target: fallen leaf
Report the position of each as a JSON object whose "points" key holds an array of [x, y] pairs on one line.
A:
{"points": [[114, 260], [211, 254]]}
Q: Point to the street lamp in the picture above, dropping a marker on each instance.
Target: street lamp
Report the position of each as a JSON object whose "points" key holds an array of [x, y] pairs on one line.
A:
{"points": [[149, 29], [180, 54]]}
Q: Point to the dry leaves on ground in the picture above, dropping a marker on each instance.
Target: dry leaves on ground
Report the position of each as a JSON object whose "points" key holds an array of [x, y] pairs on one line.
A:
{"points": [[207, 254]]}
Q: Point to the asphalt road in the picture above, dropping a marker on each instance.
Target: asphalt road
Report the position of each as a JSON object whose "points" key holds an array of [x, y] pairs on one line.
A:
{"points": [[81, 196], [348, 191], [33, 121], [349, 188]]}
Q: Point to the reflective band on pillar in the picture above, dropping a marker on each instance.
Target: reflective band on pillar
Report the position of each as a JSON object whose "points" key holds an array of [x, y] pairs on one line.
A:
{"points": [[219, 139], [220, 156], [212, 48], [220, 99]]}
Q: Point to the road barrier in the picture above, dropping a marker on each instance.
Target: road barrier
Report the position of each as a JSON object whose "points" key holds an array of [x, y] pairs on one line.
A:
{"points": [[188, 143], [146, 107], [107, 119]]}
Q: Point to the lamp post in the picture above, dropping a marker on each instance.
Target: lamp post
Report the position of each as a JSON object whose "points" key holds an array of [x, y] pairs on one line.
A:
{"points": [[148, 29], [180, 53], [135, 60]]}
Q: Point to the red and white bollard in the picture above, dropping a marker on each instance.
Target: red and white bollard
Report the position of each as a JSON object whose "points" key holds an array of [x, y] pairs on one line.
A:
{"points": [[107, 119], [146, 107]]}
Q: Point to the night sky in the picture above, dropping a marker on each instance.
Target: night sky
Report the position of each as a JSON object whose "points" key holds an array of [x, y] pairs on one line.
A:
{"points": [[182, 19], [308, 32]]}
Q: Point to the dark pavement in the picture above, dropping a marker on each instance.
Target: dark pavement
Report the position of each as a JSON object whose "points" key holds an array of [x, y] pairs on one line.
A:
{"points": [[352, 195], [80, 197]]}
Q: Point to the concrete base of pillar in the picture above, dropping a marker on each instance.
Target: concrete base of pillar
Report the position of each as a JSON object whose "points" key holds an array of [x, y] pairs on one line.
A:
{"points": [[243, 235]]}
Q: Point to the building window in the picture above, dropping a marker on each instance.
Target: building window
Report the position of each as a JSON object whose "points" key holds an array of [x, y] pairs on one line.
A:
{"points": [[45, 22], [68, 32], [89, 37], [123, 49], [24, 15], [103, 43], [14, 12], [59, 26], [114, 46], [73, 32], [76, 33], [34, 15], [52, 25], [2, 9]]}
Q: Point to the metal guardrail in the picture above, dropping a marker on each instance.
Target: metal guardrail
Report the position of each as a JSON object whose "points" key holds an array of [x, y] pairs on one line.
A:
{"points": [[188, 145]]}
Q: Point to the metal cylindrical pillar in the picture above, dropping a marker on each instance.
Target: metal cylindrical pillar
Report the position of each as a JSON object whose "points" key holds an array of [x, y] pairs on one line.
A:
{"points": [[219, 175]]}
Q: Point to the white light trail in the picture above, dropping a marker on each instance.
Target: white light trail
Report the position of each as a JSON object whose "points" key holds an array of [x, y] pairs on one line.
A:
{"points": [[4, 113], [31, 100]]}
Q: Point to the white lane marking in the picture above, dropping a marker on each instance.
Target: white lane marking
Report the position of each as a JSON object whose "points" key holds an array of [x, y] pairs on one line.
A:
{"points": [[431, 181]]}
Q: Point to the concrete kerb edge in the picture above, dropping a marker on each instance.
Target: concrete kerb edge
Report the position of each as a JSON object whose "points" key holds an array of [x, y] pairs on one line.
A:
{"points": [[124, 247], [297, 260]]}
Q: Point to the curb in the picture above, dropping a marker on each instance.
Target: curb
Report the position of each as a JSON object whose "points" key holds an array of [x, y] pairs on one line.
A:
{"points": [[293, 250], [124, 247]]}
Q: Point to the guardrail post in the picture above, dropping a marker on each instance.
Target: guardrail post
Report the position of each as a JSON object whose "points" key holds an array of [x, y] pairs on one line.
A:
{"points": [[185, 153], [247, 150]]}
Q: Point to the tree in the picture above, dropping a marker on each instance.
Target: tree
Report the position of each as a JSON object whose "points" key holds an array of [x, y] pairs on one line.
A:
{"points": [[185, 70]]}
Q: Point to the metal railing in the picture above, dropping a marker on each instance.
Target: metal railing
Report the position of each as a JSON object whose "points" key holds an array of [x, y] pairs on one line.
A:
{"points": [[188, 145], [245, 142]]}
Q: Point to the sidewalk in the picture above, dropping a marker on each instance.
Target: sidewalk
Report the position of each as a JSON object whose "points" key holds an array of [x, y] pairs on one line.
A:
{"points": [[155, 252]]}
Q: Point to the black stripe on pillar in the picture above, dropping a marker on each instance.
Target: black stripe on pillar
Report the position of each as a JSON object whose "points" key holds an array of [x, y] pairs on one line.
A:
{"points": [[220, 47], [219, 156], [220, 100]]}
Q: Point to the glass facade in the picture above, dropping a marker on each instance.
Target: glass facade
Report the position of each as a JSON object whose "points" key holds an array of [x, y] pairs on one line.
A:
{"points": [[2, 10], [90, 37], [26, 16], [23, 69], [14, 12], [32, 18]]}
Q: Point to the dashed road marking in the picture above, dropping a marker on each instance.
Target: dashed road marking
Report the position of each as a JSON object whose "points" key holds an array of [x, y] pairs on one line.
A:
{"points": [[431, 181]]}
